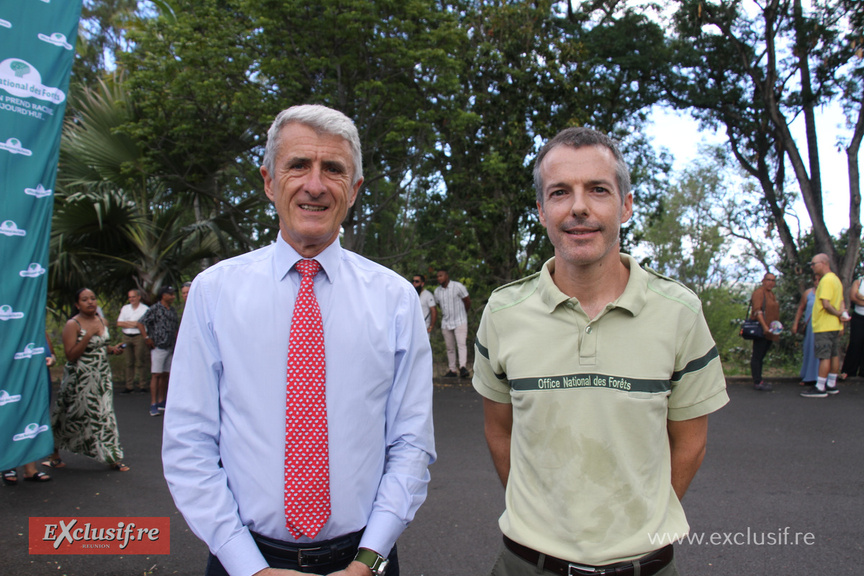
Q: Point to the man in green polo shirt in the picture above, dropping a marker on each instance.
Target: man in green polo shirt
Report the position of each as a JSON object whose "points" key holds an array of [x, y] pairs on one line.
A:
{"points": [[598, 377]]}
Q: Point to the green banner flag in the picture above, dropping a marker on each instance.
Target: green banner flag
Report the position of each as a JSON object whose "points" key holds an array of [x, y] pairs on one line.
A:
{"points": [[37, 47]]}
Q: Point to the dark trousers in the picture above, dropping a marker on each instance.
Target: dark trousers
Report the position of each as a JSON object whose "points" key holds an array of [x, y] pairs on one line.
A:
{"points": [[852, 363], [760, 349], [214, 567]]}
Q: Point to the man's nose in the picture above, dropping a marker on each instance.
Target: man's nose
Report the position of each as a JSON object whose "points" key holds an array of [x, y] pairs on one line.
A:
{"points": [[314, 184], [579, 205]]}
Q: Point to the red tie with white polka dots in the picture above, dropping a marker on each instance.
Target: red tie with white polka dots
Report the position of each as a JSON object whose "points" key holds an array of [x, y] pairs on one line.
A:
{"points": [[307, 462]]}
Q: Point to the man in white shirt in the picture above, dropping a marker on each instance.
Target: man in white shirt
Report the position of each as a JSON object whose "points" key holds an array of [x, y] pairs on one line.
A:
{"points": [[452, 297], [225, 453], [137, 351], [427, 301]]}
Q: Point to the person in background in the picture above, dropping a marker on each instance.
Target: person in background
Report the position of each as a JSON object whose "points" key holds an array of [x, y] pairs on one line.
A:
{"points": [[159, 327], [135, 348], [184, 292], [853, 363], [324, 463], [31, 473], [83, 417], [804, 316], [427, 302], [764, 308], [829, 314], [452, 297]]}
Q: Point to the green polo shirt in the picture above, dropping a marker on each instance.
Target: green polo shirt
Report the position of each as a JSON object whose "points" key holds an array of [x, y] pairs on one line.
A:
{"points": [[590, 473]]}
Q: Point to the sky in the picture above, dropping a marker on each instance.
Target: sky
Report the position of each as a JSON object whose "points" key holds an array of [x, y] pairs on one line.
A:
{"points": [[680, 134]]}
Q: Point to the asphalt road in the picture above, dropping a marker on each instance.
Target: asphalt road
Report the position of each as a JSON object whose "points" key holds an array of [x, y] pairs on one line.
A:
{"points": [[778, 467]]}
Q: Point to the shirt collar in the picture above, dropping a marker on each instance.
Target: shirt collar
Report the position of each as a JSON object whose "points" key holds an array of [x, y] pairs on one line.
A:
{"points": [[632, 299], [286, 257]]}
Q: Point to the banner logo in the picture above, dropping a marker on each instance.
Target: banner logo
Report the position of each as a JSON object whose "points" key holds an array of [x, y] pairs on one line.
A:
{"points": [[6, 313], [140, 535], [20, 78], [57, 39], [6, 398], [34, 270], [14, 146], [38, 192], [29, 351], [30, 431]]}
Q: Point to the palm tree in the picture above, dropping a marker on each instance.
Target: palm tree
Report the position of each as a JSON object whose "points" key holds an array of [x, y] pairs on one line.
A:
{"points": [[115, 225]]}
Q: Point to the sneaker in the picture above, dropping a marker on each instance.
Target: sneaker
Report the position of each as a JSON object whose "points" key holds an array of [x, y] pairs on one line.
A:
{"points": [[450, 374], [814, 393], [463, 373], [832, 390], [161, 406], [154, 410]]}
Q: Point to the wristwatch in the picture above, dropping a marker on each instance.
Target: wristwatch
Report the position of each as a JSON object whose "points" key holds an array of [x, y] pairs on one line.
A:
{"points": [[375, 562]]}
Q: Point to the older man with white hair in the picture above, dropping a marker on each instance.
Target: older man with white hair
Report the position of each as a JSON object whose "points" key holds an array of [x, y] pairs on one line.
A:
{"points": [[299, 430]]}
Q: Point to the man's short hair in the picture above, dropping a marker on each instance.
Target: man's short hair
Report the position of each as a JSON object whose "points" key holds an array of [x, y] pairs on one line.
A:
{"points": [[165, 290], [579, 137], [321, 119], [421, 276], [136, 290]]}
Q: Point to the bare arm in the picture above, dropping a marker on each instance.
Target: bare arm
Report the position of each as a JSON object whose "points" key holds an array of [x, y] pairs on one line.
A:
{"points": [[71, 345], [854, 296], [434, 318], [498, 426], [826, 304], [800, 312], [467, 302], [687, 441]]}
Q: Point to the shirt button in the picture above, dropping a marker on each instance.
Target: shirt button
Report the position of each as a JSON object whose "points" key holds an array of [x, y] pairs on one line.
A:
{"points": [[588, 330]]}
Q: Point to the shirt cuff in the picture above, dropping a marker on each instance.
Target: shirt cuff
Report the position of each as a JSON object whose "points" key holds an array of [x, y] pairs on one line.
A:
{"points": [[240, 556], [707, 406], [382, 531]]}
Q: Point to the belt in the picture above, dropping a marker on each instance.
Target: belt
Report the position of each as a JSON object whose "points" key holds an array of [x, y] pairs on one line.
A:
{"points": [[312, 554], [649, 564]]}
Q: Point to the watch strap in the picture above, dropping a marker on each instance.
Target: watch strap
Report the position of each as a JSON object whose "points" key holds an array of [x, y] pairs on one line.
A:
{"points": [[372, 559]]}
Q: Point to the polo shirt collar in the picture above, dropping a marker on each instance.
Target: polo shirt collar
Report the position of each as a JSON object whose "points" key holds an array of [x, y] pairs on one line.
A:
{"points": [[632, 299], [286, 257]]}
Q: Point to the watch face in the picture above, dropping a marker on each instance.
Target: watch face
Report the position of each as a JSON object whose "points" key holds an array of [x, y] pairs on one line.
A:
{"points": [[381, 568]]}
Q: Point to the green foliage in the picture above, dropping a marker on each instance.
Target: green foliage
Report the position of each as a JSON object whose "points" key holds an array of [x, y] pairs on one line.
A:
{"points": [[114, 226], [685, 238], [753, 69]]}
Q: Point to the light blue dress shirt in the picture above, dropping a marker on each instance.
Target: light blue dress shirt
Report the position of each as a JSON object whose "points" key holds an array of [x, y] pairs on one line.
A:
{"points": [[226, 401]]}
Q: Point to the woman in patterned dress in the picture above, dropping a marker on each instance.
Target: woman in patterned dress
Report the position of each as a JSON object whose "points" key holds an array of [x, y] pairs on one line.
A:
{"points": [[83, 415]]}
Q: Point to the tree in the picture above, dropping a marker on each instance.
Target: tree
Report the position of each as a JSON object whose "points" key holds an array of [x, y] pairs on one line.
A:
{"points": [[754, 69], [687, 239], [114, 225]]}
